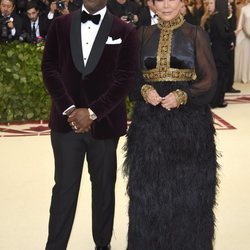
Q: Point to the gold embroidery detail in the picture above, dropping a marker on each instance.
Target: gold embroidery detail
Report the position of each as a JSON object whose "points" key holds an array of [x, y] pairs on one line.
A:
{"points": [[172, 24], [181, 97], [163, 72], [144, 91]]}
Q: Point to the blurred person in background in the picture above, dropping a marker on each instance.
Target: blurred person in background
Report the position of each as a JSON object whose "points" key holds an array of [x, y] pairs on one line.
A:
{"points": [[183, 9], [188, 12], [10, 22], [242, 58], [232, 20], [35, 26], [20, 7], [57, 8], [147, 14], [63, 7], [239, 4], [195, 11], [206, 14], [198, 11], [221, 36], [127, 10]]}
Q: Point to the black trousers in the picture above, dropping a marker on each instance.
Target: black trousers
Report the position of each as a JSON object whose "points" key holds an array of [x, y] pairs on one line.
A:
{"points": [[230, 72], [222, 80], [69, 153]]}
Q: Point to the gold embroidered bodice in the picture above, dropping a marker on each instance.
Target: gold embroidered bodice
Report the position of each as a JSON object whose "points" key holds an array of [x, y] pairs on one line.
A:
{"points": [[163, 70]]}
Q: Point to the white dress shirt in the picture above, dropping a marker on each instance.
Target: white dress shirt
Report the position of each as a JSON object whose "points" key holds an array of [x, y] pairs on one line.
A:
{"points": [[36, 26], [154, 18], [88, 34]]}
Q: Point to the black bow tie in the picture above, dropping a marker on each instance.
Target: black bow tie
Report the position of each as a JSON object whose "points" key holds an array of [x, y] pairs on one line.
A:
{"points": [[88, 17]]}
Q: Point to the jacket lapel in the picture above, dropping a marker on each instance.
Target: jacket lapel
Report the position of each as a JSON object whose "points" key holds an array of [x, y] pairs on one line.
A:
{"points": [[76, 42], [99, 43]]}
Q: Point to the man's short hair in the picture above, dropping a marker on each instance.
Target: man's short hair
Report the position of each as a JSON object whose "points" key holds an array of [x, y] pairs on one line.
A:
{"points": [[31, 5], [12, 1]]}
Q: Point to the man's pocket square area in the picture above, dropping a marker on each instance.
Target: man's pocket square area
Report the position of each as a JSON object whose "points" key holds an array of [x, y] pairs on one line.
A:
{"points": [[115, 41]]}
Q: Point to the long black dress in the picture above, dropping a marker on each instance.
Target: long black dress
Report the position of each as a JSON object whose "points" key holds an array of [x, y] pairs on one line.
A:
{"points": [[170, 155], [221, 37]]}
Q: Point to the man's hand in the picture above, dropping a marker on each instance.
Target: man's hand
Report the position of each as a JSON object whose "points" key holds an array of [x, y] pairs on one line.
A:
{"points": [[53, 7], [79, 120], [10, 24], [64, 11]]}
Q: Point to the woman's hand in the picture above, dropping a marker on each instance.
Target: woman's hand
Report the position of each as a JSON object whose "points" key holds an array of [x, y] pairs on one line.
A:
{"points": [[169, 101], [153, 97]]}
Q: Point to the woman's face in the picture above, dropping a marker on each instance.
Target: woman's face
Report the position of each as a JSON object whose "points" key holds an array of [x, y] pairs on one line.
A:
{"points": [[211, 6], [168, 9]]}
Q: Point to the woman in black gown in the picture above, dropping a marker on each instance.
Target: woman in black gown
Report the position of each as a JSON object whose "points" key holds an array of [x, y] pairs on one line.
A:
{"points": [[170, 152], [221, 37]]}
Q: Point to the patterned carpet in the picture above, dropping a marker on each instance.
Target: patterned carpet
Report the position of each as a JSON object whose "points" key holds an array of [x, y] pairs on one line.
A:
{"points": [[237, 98], [38, 128], [35, 128]]}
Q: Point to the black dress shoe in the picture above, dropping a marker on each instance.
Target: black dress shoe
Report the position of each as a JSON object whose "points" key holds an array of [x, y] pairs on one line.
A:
{"points": [[233, 90], [103, 248], [222, 105]]}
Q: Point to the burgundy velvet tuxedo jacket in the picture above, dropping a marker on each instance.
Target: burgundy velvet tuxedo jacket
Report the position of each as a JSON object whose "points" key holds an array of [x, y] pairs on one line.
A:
{"points": [[105, 81]]}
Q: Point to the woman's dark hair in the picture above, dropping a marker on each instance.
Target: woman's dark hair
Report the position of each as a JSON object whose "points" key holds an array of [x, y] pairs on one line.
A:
{"points": [[222, 7]]}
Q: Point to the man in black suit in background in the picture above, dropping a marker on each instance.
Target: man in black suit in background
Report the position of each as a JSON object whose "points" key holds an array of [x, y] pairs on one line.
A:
{"points": [[232, 20], [127, 10], [147, 15], [35, 26], [89, 65], [10, 22]]}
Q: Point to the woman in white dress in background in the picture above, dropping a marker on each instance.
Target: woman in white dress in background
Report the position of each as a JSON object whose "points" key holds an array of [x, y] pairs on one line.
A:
{"points": [[242, 52]]}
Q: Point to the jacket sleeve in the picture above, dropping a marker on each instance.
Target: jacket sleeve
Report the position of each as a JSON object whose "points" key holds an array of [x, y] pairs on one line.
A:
{"points": [[52, 76]]}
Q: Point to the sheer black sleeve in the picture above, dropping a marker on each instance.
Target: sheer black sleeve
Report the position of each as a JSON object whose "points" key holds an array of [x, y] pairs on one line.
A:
{"points": [[202, 89], [135, 93]]}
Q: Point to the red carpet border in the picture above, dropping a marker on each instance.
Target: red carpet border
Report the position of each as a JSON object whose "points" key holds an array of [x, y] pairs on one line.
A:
{"points": [[237, 98], [39, 128], [35, 128], [221, 124]]}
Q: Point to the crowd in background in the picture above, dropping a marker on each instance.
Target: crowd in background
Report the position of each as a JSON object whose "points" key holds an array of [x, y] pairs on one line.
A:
{"points": [[29, 20], [19, 14]]}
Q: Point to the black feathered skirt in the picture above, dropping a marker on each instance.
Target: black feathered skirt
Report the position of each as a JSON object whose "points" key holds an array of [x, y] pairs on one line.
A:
{"points": [[172, 178]]}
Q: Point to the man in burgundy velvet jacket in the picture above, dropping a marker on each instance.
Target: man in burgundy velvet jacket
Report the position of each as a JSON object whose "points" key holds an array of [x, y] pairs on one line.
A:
{"points": [[88, 68]]}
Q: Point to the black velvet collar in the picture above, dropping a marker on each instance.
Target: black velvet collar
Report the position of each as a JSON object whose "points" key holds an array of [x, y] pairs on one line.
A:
{"points": [[98, 45]]}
